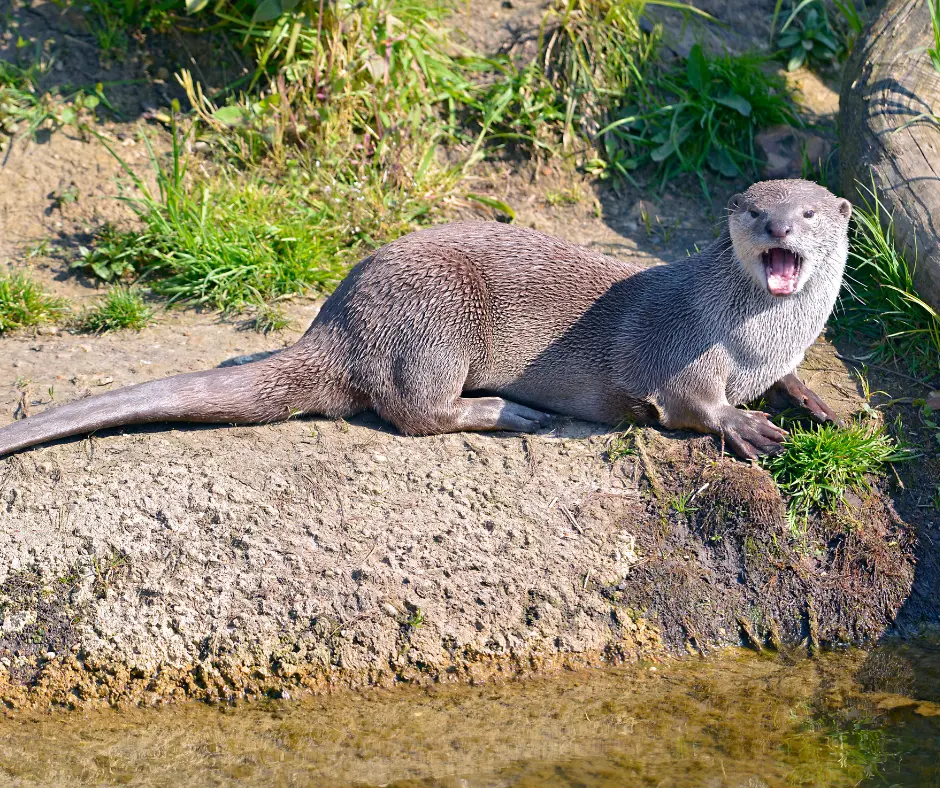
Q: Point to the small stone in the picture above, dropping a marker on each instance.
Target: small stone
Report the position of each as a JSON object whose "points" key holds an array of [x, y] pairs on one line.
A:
{"points": [[45, 331], [390, 609], [50, 655], [163, 73], [933, 400], [104, 381]]}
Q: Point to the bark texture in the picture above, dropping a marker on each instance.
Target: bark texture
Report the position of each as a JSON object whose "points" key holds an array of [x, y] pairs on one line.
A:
{"points": [[889, 141]]}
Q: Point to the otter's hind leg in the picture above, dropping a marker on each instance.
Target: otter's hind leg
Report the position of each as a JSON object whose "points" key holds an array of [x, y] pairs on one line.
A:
{"points": [[426, 399], [464, 414]]}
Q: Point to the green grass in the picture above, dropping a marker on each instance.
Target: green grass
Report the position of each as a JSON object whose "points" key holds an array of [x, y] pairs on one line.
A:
{"points": [[820, 464], [234, 240], [121, 308], [360, 76], [681, 503], [620, 445], [879, 304], [23, 303], [270, 319], [934, 51]]}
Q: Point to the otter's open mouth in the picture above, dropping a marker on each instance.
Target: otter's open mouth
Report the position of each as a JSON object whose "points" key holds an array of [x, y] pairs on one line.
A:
{"points": [[782, 268]]}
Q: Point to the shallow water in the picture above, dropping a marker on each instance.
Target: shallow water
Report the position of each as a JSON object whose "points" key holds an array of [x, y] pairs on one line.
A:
{"points": [[869, 718]]}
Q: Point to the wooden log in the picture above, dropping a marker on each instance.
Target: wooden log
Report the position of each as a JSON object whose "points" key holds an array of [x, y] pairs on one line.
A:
{"points": [[887, 137]]}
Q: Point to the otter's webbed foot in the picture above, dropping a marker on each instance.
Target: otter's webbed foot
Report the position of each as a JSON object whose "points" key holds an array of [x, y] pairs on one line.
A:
{"points": [[750, 433], [791, 391]]}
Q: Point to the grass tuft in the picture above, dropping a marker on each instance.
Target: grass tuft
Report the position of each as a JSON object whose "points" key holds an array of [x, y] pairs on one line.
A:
{"points": [[270, 319], [23, 303], [121, 308], [879, 302], [820, 464], [233, 240], [621, 445]]}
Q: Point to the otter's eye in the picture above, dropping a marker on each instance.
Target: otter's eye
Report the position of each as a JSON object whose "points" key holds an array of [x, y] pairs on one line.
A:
{"points": [[755, 214], [809, 214]]}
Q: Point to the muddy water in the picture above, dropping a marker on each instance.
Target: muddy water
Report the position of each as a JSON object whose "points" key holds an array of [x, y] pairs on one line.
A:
{"points": [[870, 718]]}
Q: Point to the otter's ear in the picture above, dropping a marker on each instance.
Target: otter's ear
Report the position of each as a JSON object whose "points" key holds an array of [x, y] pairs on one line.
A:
{"points": [[845, 208], [735, 203]]}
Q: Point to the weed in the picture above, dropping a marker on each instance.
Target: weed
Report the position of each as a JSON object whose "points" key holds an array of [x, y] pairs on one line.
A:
{"points": [[416, 620], [112, 254], [121, 308], [106, 571], [269, 319], [366, 71], [879, 301], [819, 465], [569, 196], [809, 35], [592, 61], [621, 445], [706, 113], [22, 103], [682, 503], [23, 303]]}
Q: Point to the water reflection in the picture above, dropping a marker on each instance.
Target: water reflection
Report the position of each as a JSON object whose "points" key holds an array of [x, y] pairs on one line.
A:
{"points": [[870, 718]]}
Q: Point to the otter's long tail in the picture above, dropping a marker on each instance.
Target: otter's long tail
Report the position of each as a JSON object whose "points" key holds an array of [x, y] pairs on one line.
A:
{"points": [[257, 392]]}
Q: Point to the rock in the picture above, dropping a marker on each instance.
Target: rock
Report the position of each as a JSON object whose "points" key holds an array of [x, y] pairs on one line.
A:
{"points": [[785, 149]]}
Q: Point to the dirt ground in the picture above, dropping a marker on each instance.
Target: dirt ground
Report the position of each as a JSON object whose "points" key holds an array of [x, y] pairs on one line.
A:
{"points": [[168, 562]]}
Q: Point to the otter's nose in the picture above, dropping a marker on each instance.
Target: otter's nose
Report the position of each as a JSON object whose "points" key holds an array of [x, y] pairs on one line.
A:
{"points": [[777, 228]]}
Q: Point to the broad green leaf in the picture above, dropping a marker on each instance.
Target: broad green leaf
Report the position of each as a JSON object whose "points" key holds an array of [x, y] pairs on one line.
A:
{"points": [[230, 116], [697, 68], [797, 59], [491, 202], [720, 160], [663, 152], [267, 10], [736, 101]]}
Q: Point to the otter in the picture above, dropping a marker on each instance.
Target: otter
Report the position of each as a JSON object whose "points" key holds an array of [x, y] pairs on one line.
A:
{"points": [[488, 326]]}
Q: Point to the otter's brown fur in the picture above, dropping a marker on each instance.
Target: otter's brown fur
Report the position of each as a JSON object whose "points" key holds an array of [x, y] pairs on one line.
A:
{"points": [[484, 326]]}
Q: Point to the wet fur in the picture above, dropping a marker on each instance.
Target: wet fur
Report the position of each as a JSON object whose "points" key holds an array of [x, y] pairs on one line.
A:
{"points": [[526, 323]]}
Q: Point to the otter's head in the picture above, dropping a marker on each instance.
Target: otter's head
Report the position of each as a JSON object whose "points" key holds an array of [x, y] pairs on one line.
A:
{"points": [[782, 231]]}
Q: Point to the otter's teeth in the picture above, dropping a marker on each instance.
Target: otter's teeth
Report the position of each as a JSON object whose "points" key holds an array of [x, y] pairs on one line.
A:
{"points": [[782, 269]]}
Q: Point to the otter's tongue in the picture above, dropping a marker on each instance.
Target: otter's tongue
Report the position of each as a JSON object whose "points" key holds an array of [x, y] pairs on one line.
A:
{"points": [[782, 271]]}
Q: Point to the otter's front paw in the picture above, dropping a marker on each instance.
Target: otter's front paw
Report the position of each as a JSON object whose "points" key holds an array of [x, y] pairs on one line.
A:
{"points": [[790, 390], [750, 433]]}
